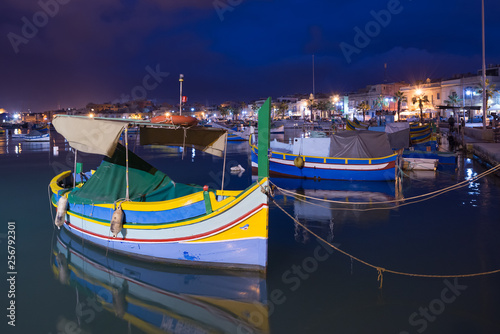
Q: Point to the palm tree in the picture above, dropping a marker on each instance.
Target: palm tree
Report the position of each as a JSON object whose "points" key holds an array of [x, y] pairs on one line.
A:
{"points": [[223, 110], [363, 107], [312, 105], [324, 106], [380, 102], [420, 98], [490, 90], [282, 108], [400, 98], [255, 108], [453, 100]]}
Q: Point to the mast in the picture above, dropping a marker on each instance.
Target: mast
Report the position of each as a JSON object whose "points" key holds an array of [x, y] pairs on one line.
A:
{"points": [[313, 76], [181, 79], [485, 101]]}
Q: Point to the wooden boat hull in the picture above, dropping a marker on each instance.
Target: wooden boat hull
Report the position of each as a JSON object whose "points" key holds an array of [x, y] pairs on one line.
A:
{"points": [[195, 229], [376, 169]]}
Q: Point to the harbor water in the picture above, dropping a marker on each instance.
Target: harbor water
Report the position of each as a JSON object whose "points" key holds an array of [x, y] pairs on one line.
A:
{"points": [[58, 284]]}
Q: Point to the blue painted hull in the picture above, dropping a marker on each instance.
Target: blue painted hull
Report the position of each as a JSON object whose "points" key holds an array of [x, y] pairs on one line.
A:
{"points": [[207, 253], [333, 169]]}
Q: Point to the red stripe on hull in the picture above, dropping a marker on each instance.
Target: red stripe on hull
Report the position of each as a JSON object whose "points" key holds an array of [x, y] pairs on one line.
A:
{"points": [[198, 236]]}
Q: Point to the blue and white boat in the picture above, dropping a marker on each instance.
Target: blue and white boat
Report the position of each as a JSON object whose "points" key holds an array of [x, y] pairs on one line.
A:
{"points": [[36, 136], [348, 155]]}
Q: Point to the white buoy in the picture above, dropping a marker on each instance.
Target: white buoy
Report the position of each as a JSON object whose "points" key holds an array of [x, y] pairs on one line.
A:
{"points": [[238, 169], [116, 222], [62, 206]]}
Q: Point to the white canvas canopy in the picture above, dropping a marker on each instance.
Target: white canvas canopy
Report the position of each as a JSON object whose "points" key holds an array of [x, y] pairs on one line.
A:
{"points": [[90, 135]]}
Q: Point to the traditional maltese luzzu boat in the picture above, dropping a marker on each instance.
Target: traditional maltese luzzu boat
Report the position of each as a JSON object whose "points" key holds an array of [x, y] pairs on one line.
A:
{"points": [[129, 207]]}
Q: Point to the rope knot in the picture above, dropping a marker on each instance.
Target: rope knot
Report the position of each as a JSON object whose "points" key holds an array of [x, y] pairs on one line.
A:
{"points": [[380, 277]]}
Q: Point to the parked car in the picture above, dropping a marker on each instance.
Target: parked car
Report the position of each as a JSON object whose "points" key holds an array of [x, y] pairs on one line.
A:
{"points": [[479, 119]]}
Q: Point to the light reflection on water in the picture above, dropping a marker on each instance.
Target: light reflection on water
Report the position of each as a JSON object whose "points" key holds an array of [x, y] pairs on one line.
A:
{"points": [[309, 289]]}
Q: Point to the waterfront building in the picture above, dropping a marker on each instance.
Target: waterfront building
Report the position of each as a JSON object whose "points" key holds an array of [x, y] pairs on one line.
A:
{"points": [[467, 101], [370, 95]]}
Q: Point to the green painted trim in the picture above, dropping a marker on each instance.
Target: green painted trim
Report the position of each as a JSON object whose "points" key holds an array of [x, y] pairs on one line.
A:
{"points": [[264, 139], [208, 205]]}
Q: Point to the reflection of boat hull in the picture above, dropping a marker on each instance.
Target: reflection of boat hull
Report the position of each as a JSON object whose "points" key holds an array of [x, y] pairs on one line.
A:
{"points": [[163, 298], [194, 230], [376, 169]]}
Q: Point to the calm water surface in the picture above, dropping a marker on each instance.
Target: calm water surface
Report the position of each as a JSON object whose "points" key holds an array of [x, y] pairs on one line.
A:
{"points": [[64, 286]]}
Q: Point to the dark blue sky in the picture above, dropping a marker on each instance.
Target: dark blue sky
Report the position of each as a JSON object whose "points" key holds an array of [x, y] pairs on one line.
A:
{"points": [[106, 50]]}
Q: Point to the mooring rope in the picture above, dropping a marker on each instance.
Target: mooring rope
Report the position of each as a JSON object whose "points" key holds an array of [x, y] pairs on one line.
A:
{"points": [[409, 200], [381, 270]]}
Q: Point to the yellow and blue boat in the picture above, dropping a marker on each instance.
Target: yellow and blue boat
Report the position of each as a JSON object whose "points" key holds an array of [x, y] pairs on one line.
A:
{"points": [[127, 206]]}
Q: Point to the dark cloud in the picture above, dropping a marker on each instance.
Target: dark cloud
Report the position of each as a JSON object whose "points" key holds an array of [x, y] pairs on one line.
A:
{"points": [[99, 50]]}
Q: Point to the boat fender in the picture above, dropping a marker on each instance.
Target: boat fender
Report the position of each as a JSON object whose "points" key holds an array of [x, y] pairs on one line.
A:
{"points": [[62, 206], [119, 300], [116, 221], [299, 162]]}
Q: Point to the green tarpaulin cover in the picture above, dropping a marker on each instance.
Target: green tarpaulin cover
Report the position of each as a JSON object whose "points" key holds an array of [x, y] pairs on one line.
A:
{"points": [[147, 184]]}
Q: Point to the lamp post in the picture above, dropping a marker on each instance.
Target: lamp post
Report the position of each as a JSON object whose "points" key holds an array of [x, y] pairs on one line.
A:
{"points": [[468, 92], [181, 79]]}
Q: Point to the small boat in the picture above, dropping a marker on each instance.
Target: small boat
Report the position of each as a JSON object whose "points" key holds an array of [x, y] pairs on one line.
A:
{"points": [[175, 120], [278, 130], [36, 136], [159, 298], [443, 158], [234, 134], [129, 207], [419, 164], [349, 155], [356, 125]]}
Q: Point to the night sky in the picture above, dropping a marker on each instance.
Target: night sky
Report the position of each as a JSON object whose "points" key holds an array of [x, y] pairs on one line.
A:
{"points": [[112, 50]]}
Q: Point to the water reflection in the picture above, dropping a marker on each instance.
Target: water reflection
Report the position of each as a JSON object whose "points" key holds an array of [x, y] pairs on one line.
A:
{"points": [[342, 203], [158, 298]]}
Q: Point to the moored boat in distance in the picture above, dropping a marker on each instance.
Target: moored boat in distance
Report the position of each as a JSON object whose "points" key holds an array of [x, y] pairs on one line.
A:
{"points": [[129, 207], [348, 155], [35, 135]]}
